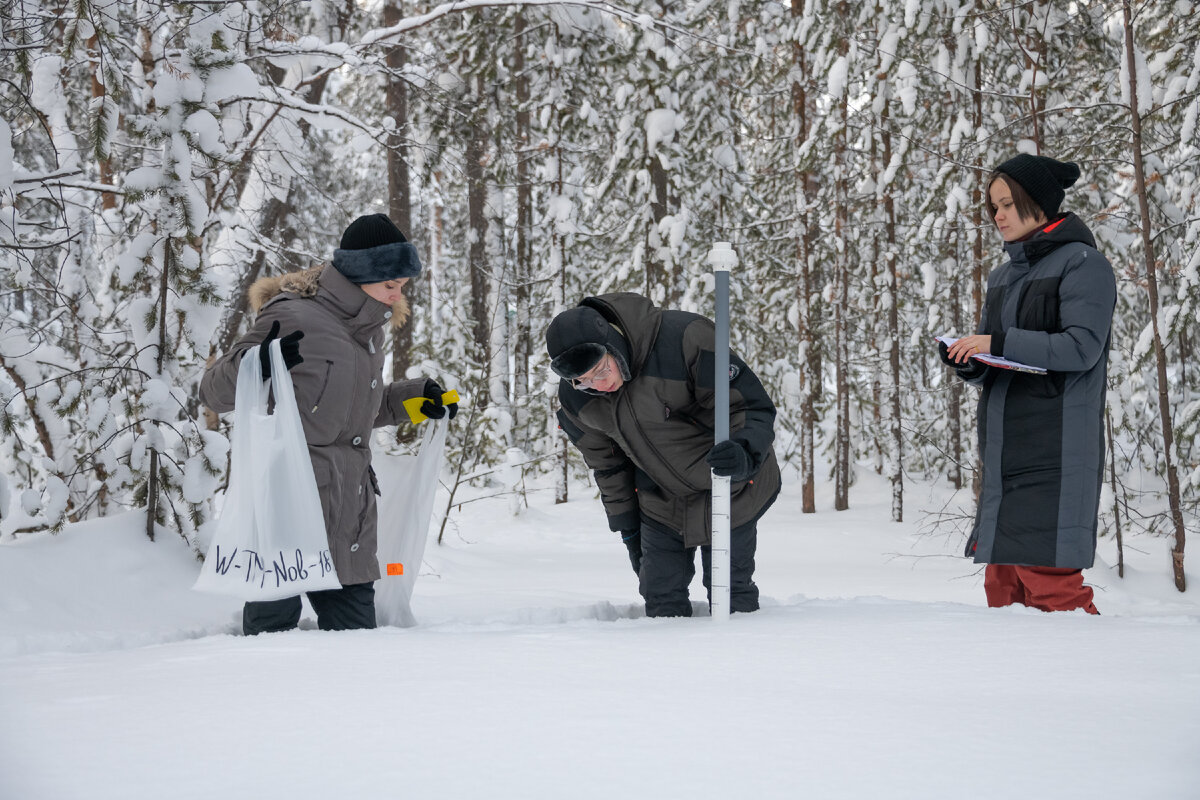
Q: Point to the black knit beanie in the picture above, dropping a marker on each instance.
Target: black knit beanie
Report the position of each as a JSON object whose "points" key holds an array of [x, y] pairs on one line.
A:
{"points": [[1042, 178], [373, 250], [578, 338]]}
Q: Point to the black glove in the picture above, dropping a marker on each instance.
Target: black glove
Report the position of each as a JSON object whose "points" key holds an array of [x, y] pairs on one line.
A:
{"points": [[729, 458], [432, 407], [289, 348], [633, 542]]}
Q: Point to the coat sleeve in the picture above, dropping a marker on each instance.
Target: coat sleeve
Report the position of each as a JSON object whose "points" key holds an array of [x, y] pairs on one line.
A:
{"points": [[748, 398], [612, 468], [218, 387], [1087, 296], [391, 405]]}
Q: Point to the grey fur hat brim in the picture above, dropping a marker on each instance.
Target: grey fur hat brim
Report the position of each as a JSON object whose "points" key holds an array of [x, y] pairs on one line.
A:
{"points": [[389, 262]]}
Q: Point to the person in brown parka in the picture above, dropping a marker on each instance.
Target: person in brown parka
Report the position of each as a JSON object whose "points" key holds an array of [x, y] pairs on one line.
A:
{"points": [[334, 319]]}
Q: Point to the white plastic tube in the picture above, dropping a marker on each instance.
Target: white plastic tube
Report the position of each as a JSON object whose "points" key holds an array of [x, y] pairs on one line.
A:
{"points": [[722, 258]]}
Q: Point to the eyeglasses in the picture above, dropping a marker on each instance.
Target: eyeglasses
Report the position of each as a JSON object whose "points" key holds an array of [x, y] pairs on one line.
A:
{"points": [[596, 377]]}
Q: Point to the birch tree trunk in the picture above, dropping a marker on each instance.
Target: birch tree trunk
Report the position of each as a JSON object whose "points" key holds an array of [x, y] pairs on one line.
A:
{"points": [[977, 270], [841, 299], [437, 224], [523, 270], [954, 462], [399, 189], [558, 259], [808, 356], [874, 307], [1160, 355], [1112, 477], [895, 443], [1032, 36], [476, 151]]}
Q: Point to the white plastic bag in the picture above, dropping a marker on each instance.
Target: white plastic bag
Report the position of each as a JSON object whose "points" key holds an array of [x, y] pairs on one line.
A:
{"points": [[270, 540], [408, 484]]}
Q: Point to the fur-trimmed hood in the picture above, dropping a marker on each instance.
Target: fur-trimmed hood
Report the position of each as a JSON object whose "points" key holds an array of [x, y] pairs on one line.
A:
{"points": [[306, 283]]}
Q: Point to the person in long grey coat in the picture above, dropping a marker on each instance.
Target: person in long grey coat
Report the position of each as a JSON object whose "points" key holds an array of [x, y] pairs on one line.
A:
{"points": [[1041, 437], [334, 319]]}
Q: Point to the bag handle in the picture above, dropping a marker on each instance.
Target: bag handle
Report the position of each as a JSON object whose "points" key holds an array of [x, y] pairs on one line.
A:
{"points": [[250, 400], [281, 381], [255, 391]]}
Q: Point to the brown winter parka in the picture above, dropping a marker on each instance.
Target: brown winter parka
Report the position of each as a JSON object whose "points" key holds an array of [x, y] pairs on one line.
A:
{"points": [[340, 392], [646, 443]]}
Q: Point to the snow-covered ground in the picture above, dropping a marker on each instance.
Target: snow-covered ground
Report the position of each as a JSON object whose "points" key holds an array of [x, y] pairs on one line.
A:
{"points": [[874, 670]]}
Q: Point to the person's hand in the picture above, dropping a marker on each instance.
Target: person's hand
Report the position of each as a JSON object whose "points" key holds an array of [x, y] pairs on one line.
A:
{"points": [[729, 458], [433, 407], [289, 348], [633, 543], [962, 350]]}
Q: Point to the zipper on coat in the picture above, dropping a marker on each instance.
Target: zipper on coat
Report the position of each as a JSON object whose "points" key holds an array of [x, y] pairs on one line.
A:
{"points": [[649, 444], [324, 386]]}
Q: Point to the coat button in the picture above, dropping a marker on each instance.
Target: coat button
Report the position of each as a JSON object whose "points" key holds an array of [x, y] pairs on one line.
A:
{"points": [[387, 315], [357, 440], [360, 490], [374, 383], [354, 547]]}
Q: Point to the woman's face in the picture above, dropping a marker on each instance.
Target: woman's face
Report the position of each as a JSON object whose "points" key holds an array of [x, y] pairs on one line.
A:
{"points": [[1012, 226], [386, 292]]}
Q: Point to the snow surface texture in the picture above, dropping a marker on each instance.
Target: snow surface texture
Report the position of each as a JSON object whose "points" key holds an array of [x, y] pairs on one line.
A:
{"points": [[873, 671]]}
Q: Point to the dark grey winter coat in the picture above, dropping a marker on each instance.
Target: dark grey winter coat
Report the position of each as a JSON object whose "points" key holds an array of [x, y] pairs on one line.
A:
{"points": [[1041, 437], [340, 391], [647, 441]]}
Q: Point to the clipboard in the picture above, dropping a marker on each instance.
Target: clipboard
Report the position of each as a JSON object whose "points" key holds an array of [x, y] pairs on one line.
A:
{"points": [[996, 361]]}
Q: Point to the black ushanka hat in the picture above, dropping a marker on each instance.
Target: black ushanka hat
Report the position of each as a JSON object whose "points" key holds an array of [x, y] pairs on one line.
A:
{"points": [[1042, 178], [373, 250], [579, 337]]}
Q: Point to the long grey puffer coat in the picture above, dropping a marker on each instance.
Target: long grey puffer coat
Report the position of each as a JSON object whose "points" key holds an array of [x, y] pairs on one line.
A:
{"points": [[1041, 437], [340, 391]]}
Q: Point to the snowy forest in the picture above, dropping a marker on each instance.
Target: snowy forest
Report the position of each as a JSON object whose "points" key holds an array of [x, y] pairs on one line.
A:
{"points": [[158, 157]]}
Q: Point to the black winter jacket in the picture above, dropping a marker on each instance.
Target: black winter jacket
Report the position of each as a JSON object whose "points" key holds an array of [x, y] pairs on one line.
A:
{"points": [[647, 441]]}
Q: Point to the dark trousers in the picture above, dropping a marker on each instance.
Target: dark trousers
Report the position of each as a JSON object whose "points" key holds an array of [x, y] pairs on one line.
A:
{"points": [[348, 608], [668, 568]]}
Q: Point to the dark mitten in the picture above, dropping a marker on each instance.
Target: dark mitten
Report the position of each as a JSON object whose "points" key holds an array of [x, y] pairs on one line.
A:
{"points": [[633, 543], [289, 348], [944, 354], [972, 370], [432, 407], [729, 458]]}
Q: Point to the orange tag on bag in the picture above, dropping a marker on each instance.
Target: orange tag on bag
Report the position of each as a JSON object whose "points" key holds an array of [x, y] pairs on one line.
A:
{"points": [[395, 569]]}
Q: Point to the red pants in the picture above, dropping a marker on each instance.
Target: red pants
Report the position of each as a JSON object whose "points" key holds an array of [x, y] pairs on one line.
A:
{"points": [[1047, 588]]}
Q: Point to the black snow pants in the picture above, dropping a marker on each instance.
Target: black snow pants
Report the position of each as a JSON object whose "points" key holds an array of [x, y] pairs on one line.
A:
{"points": [[668, 568], [348, 608]]}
